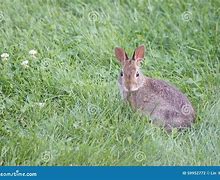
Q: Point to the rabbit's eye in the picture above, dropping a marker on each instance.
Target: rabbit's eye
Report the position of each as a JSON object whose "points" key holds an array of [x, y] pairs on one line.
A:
{"points": [[137, 74], [121, 73]]}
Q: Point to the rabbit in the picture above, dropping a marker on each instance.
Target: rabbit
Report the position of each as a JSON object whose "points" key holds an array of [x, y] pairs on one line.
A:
{"points": [[166, 106]]}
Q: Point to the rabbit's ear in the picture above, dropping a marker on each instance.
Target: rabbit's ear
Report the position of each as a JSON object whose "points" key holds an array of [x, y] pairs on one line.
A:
{"points": [[138, 54], [121, 54]]}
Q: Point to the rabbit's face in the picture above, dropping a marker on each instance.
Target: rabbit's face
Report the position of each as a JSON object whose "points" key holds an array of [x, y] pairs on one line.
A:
{"points": [[130, 78]]}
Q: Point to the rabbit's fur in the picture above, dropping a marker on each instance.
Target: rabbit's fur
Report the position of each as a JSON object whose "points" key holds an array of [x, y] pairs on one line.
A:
{"points": [[165, 104]]}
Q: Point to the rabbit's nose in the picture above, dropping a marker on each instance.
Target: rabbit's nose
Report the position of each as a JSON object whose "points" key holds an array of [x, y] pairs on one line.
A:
{"points": [[129, 86]]}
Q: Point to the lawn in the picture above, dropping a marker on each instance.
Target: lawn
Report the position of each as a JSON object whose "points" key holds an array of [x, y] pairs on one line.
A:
{"points": [[62, 106]]}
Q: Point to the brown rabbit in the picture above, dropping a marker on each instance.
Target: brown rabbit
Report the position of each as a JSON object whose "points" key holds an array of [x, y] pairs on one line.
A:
{"points": [[165, 104]]}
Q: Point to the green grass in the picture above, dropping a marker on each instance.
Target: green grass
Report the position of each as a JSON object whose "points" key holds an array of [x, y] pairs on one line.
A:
{"points": [[84, 121]]}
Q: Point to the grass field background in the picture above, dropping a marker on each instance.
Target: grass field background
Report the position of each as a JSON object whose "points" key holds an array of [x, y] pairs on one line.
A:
{"points": [[65, 107]]}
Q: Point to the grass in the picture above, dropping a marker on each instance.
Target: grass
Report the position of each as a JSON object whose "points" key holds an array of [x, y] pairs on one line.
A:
{"points": [[65, 108]]}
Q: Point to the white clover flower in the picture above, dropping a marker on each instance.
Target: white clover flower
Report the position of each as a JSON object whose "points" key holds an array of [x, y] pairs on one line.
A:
{"points": [[41, 105], [4, 56], [25, 64], [150, 8], [33, 53]]}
